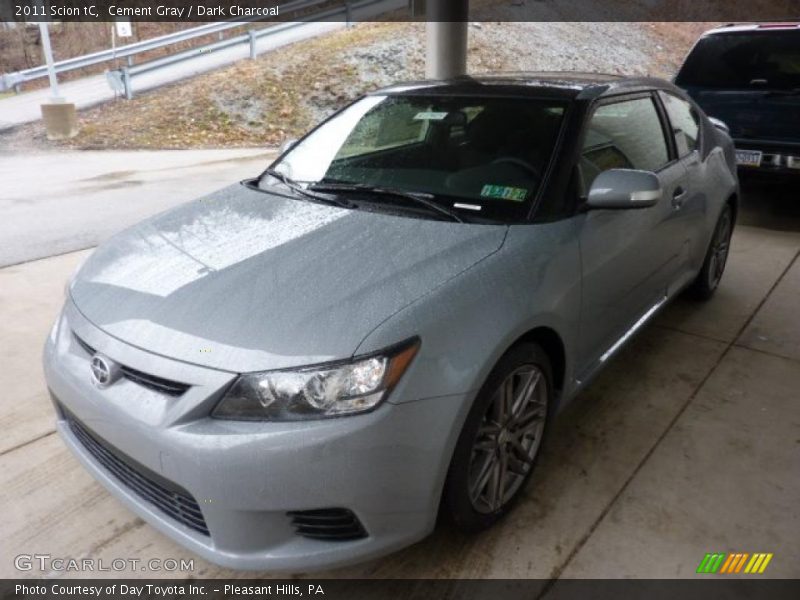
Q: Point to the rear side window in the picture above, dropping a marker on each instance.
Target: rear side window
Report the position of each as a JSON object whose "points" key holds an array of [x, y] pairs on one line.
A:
{"points": [[749, 59], [685, 123], [623, 135]]}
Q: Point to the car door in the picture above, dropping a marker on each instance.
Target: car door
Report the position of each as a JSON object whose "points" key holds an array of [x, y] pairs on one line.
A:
{"points": [[690, 206], [628, 256]]}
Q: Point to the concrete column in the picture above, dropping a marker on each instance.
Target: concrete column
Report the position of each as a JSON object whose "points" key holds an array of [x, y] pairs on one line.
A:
{"points": [[446, 33]]}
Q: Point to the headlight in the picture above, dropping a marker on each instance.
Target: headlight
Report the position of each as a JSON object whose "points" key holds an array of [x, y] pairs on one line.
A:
{"points": [[317, 392]]}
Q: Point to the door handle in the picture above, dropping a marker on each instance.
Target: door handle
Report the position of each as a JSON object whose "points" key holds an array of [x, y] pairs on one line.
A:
{"points": [[678, 197]]}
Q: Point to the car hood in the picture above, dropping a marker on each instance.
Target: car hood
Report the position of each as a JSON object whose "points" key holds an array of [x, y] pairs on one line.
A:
{"points": [[243, 280], [753, 114]]}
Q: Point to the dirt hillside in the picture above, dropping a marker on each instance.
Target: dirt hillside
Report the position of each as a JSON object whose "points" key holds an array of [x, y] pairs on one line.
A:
{"points": [[283, 93]]}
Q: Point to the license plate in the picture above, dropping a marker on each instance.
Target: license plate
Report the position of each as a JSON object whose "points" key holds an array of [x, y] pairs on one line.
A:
{"points": [[749, 158]]}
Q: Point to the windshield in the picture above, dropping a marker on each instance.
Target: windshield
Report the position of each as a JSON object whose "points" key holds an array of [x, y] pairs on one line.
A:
{"points": [[480, 157], [759, 60]]}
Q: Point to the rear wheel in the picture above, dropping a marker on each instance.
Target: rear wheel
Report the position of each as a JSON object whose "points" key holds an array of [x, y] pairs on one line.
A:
{"points": [[500, 442], [710, 274]]}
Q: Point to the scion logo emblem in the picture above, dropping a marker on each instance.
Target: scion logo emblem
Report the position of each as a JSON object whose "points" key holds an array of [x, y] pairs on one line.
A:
{"points": [[104, 371]]}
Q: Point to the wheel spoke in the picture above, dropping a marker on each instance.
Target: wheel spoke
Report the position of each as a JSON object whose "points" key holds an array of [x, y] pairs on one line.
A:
{"points": [[493, 485], [483, 477], [530, 419], [520, 452], [525, 393], [500, 481], [508, 399], [502, 401]]}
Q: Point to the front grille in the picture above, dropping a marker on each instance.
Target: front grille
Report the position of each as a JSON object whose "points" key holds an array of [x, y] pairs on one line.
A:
{"points": [[171, 499], [331, 524], [159, 384], [86, 347]]}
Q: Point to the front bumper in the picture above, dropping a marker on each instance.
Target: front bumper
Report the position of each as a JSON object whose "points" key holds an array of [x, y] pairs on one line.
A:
{"points": [[387, 466]]}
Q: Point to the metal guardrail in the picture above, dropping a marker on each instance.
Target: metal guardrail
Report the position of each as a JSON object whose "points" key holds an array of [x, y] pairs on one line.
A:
{"points": [[121, 82], [16, 79]]}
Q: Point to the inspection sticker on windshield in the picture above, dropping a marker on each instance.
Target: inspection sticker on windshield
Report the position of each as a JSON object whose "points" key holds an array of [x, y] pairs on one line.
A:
{"points": [[504, 192], [430, 116]]}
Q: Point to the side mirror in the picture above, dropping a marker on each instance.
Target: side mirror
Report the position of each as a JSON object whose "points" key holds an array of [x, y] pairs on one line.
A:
{"points": [[624, 188], [719, 124], [287, 145]]}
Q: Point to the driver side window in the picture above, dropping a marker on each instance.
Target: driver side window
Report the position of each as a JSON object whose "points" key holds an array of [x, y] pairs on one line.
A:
{"points": [[622, 135]]}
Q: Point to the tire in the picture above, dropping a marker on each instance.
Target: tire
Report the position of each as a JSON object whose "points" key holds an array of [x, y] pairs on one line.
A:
{"points": [[707, 281], [484, 444]]}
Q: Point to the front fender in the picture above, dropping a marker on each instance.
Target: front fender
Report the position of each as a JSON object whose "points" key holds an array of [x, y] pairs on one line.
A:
{"points": [[469, 322]]}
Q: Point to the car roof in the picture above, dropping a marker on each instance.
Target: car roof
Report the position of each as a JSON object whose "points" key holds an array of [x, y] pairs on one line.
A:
{"points": [[753, 27], [552, 84]]}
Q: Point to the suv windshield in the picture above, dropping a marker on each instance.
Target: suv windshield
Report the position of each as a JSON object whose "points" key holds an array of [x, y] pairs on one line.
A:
{"points": [[762, 60], [477, 157]]}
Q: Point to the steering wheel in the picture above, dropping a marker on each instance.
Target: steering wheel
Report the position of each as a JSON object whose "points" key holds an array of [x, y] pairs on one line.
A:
{"points": [[517, 162]]}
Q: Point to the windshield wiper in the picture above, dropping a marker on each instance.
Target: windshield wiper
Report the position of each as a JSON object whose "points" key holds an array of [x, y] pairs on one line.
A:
{"points": [[299, 189], [418, 197]]}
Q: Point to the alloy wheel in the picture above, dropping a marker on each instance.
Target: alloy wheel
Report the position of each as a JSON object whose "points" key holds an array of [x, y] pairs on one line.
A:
{"points": [[719, 250], [508, 439]]}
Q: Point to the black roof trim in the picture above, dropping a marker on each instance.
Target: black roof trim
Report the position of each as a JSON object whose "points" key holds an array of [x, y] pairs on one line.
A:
{"points": [[558, 84]]}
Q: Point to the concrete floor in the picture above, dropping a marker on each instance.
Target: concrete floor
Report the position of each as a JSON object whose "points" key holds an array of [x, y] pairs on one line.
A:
{"points": [[87, 196], [688, 443]]}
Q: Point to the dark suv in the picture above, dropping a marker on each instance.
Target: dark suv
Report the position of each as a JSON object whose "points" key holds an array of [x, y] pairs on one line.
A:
{"points": [[748, 76]]}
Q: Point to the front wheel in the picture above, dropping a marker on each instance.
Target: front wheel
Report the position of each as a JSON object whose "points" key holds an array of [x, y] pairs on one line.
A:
{"points": [[710, 274], [500, 442]]}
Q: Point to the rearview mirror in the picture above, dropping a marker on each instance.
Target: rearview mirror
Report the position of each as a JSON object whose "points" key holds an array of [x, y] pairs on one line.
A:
{"points": [[624, 188]]}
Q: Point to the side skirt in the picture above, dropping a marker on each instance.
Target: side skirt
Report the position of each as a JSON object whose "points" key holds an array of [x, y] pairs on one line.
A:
{"points": [[590, 373]]}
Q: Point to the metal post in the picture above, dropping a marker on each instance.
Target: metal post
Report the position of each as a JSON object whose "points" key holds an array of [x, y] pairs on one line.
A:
{"points": [[59, 116], [48, 57], [126, 82], [446, 33], [252, 35]]}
